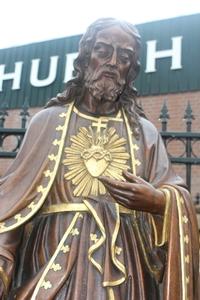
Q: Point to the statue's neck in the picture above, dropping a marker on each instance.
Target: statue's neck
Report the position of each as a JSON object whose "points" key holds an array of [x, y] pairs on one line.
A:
{"points": [[92, 106]]}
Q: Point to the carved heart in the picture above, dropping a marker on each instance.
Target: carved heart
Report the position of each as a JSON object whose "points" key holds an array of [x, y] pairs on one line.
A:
{"points": [[96, 167]]}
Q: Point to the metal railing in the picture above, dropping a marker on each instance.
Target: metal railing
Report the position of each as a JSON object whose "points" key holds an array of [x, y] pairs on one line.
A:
{"points": [[17, 133], [188, 140]]}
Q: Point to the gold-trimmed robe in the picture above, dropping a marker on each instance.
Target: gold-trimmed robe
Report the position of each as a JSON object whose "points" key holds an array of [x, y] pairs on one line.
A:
{"points": [[35, 264]]}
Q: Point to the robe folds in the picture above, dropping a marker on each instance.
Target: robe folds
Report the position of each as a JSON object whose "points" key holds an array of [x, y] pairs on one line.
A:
{"points": [[64, 237]]}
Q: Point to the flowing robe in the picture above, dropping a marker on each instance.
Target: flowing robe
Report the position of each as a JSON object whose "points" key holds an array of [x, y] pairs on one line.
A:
{"points": [[58, 244]]}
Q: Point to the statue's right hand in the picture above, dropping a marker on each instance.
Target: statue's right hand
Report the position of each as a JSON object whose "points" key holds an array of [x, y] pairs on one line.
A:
{"points": [[135, 193]]}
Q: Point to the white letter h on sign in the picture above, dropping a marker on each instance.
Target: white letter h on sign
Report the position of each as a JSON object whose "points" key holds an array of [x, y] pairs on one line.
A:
{"points": [[174, 53]]}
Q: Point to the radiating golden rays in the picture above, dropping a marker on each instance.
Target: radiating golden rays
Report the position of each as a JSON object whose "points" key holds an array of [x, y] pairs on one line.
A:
{"points": [[94, 154]]}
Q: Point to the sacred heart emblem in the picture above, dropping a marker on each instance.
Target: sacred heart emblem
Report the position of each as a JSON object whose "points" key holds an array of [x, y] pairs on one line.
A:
{"points": [[96, 160], [92, 154]]}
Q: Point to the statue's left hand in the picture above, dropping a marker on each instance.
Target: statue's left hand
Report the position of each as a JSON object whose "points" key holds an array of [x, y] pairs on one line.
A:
{"points": [[135, 193]]}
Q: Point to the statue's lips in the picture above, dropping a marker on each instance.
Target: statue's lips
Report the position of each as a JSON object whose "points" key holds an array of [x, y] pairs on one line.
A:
{"points": [[109, 74]]}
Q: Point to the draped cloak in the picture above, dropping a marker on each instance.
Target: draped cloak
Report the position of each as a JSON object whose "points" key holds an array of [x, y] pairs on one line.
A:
{"points": [[55, 244]]}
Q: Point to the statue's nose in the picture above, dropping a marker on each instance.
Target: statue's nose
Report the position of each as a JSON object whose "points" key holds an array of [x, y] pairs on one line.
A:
{"points": [[113, 59]]}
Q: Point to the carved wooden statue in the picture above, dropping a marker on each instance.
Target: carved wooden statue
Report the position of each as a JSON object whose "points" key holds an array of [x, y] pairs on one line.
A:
{"points": [[90, 208]]}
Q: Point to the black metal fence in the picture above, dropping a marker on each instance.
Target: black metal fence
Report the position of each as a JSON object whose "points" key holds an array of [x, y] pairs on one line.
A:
{"points": [[188, 141], [9, 149]]}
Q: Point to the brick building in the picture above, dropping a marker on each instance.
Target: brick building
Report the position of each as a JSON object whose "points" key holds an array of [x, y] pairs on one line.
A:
{"points": [[170, 64]]}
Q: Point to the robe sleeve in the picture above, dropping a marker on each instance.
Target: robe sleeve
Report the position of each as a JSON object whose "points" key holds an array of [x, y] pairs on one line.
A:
{"points": [[9, 241], [12, 185], [177, 230], [18, 187], [22, 184]]}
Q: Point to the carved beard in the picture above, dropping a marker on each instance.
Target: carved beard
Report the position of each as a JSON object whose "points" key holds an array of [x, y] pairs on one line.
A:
{"points": [[103, 87]]}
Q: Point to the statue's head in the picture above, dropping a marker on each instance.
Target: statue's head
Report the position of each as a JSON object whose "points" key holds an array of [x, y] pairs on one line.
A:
{"points": [[107, 65], [108, 60]]}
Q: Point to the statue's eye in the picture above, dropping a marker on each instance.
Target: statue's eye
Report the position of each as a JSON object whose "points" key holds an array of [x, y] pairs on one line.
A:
{"points": [[101, 50], [124, 56]]}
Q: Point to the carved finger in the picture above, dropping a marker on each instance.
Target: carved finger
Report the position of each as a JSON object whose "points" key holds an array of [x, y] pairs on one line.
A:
{"points": [[116, 183], [129, 195], [121, 200], [133, 178]]}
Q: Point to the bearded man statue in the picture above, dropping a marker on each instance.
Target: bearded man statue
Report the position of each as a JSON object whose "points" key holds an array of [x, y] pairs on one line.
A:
{"points": [[91, 208]]}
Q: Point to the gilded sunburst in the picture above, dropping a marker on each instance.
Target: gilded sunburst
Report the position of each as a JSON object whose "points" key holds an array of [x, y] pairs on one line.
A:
{"points": [[93, 154]]}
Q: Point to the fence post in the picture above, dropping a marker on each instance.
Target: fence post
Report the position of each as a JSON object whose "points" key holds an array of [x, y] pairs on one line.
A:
{"points": [[24, 113], [164, 116], [3, 113], [188, 117]]}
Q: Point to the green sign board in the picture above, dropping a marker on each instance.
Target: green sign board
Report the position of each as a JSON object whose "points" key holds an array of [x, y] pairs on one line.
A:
{"points": [[170, 63]]}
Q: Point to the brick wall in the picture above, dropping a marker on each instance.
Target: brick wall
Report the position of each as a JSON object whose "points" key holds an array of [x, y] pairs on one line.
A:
{"points": [[176, 104]]}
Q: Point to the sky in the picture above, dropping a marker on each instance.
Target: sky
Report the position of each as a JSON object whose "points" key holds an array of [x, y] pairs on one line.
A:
{"points": [[27, 21]]}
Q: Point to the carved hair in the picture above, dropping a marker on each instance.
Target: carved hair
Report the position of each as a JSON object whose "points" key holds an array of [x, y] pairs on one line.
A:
{"points": [[75, 87]]}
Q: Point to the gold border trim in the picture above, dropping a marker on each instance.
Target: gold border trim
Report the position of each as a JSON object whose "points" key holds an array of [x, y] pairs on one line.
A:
{"points": [[44, 190], [100, 241], [81, 207], [110, 293], [164, 238], [64, 207], [51, 261], [5, 280], [182, 248], [116, 262]]}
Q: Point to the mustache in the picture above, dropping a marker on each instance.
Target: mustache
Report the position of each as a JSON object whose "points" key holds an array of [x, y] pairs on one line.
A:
{"points": [[107, 71]]}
